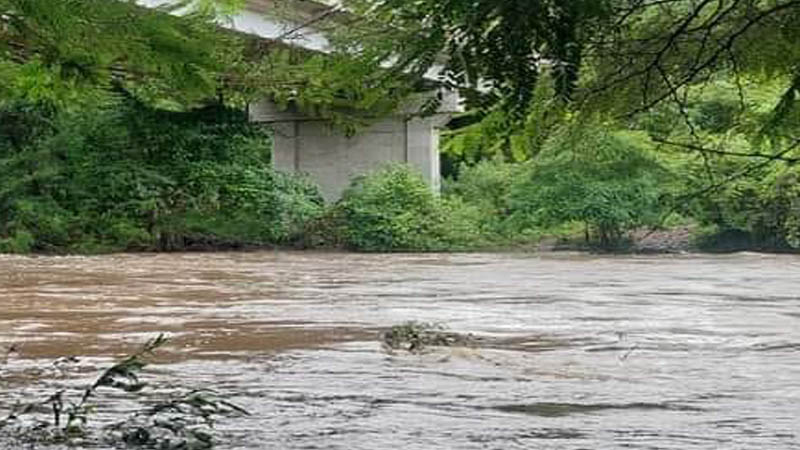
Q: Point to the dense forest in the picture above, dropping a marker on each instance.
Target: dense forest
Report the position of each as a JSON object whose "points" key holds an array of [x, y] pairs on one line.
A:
{"points": [[590, 122]]}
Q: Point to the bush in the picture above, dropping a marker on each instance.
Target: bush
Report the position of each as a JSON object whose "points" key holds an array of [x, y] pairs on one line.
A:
{"points": [[463, 226], [608, 181], [779, 221], [487, 185], [392, 209], [20, 242], [395, 210], [486, 188], [131, 178], [761, 210]]}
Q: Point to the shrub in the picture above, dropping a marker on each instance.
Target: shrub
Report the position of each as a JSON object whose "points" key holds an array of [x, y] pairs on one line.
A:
{"points": [[131, 178], [780, 216], [485, 188], [393, 209], [761, 210], [486, 185], [463, 226], [20, 242]]}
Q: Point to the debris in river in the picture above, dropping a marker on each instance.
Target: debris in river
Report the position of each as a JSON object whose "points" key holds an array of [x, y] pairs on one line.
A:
{"points": [[415, 337], [7, 351], [183, 421]]}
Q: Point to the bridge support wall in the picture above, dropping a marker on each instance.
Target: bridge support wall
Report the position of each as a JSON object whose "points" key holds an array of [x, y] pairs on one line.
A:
{"points": [[332, 159]]}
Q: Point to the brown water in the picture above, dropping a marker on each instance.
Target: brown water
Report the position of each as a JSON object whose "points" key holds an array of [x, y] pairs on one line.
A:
{"points": [[577, 352]]}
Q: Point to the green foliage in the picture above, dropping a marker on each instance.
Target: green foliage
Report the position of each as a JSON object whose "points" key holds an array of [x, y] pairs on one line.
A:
{"points": [[617, 58], [722, 173], [602, 181], [497, 133], [343, 89], [729, 172], [485, 191], [607, 180], [717, 78], [21, 241], [763, 208], [667, 52], [486, 136], [486, 184], [69, 52], [501, 45], [395, 210], [132, 178], [390, 210], [778, 222]]}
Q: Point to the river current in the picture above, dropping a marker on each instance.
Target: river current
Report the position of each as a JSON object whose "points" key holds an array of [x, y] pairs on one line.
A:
{"points": [[573, 351]]}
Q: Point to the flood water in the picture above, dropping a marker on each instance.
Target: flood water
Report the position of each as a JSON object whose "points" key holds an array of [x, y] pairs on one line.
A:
{"points": [[573, 351]]}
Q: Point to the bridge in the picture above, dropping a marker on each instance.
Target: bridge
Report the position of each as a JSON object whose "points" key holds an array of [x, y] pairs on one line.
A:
{"points": [[304, 144]]}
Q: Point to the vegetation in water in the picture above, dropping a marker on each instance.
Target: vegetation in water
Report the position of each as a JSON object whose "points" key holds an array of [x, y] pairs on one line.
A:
{"points": [[415, 337], [182, 421]]}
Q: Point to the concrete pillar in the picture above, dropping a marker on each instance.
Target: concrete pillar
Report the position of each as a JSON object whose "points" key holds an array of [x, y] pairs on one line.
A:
{"points": [[332, 160], [422, 147], [285, 146]]}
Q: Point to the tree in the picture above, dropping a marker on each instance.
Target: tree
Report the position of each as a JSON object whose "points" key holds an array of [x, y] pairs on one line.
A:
{"points": [[72, 51], [491, 50], [660, 51], [618, 56], [609, 181]]}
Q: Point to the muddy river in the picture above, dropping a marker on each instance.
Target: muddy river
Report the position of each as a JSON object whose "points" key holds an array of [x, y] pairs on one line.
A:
{"points": [[572, 351]]}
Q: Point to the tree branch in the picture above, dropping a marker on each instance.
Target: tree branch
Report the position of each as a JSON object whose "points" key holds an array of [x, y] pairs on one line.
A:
{"points": [[780, 156]]}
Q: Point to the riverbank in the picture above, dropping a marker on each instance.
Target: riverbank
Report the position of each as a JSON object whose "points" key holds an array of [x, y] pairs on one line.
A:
{"points": [[675, 241], [207, 184]]}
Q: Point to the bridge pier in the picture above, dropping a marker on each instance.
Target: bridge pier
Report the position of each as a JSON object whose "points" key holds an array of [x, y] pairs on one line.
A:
{"points": [[332, 159], [305, 145]]}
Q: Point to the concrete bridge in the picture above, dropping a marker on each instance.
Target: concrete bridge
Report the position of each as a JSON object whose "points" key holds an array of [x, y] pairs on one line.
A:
{"points": [[306, 145]]}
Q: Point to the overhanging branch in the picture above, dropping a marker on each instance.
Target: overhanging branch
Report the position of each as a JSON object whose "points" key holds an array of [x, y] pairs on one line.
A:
{"points": [[780, 156]]}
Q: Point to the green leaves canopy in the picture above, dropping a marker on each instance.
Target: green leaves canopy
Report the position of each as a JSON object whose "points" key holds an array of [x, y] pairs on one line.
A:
{"points": [[619, 56], [71, 51], [491, 49], [607, 180]]}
